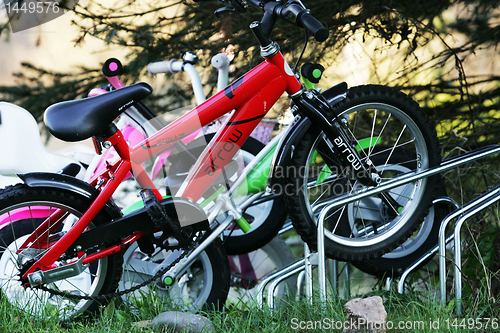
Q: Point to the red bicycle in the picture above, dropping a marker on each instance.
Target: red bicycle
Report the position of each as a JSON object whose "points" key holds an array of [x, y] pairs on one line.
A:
{"points": [[326, 152]]}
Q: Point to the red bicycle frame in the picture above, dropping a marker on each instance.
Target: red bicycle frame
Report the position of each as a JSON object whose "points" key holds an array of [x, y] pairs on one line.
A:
{"points": [[251, 96]]}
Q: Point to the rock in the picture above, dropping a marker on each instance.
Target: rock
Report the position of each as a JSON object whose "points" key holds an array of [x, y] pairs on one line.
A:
{"points": [[366, 315], [174, 322]]}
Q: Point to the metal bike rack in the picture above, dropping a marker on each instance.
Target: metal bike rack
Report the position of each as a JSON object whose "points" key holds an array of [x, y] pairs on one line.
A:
{"points": [[429, 253], [486, 200], [468, 210], [463, 213], [303, 267]]}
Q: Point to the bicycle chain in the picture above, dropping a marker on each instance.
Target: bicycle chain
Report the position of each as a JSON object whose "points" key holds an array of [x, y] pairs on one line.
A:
{"points": [[110, 296]]}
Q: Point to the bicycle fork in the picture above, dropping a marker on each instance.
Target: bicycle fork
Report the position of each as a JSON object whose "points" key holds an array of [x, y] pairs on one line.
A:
{"points": [[314, 106]]}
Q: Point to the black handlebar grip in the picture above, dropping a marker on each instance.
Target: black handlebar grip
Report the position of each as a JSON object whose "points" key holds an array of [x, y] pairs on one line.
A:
{"points": [[312, 26], [112, 67]]}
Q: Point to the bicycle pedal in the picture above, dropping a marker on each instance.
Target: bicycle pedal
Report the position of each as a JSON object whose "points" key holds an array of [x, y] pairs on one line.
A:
{"points": [[157, 212]]}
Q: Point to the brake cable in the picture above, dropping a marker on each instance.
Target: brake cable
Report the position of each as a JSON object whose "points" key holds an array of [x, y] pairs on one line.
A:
{"points": [[301, 53]]}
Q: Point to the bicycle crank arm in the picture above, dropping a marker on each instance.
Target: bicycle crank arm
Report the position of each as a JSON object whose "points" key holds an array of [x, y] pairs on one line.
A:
{"points": [[60, 273]]}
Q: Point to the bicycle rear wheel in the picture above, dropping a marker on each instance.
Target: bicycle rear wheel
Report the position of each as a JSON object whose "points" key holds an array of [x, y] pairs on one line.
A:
{"points": [[22, 209], [394, 263], [202, 286]]}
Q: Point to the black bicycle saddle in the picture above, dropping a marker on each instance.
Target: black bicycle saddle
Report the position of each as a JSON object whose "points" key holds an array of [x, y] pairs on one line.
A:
{"points": [[81, 119]]}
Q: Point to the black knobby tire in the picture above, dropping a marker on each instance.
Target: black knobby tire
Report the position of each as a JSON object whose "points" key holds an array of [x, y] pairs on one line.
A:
{"points": [[373, 116], [102, 275], [266, 219]]}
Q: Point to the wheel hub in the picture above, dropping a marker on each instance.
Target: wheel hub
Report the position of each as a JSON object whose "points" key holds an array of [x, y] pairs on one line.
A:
{"points": [[23, 268]]}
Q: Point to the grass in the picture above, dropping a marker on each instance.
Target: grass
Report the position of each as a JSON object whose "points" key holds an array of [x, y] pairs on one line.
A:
{"points": [[415, 312], [419, 310]]}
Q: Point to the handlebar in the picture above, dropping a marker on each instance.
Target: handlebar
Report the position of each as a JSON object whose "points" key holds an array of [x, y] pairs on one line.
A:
{"points": [[171, 66], [174, 66], [112, 67], [221, 62], [279, 9], [312, 25], [303, 17]]}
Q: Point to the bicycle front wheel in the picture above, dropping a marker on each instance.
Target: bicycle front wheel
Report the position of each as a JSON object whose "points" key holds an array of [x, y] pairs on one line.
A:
{"points": [[379, 121]]}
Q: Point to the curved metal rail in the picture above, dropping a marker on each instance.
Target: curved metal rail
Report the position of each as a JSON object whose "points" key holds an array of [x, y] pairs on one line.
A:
{"points": [[463, 213]]}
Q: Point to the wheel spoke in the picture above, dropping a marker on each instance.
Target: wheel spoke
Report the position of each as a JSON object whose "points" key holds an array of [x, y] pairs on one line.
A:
{"points": [[371, 134], [400, 195], [13, 231], [401, 145], [34, 228], [381, 131], [360, 218], [71, 283], [343, 208], [39, 296], [393, 148], [48, 227], [257, 265]]}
